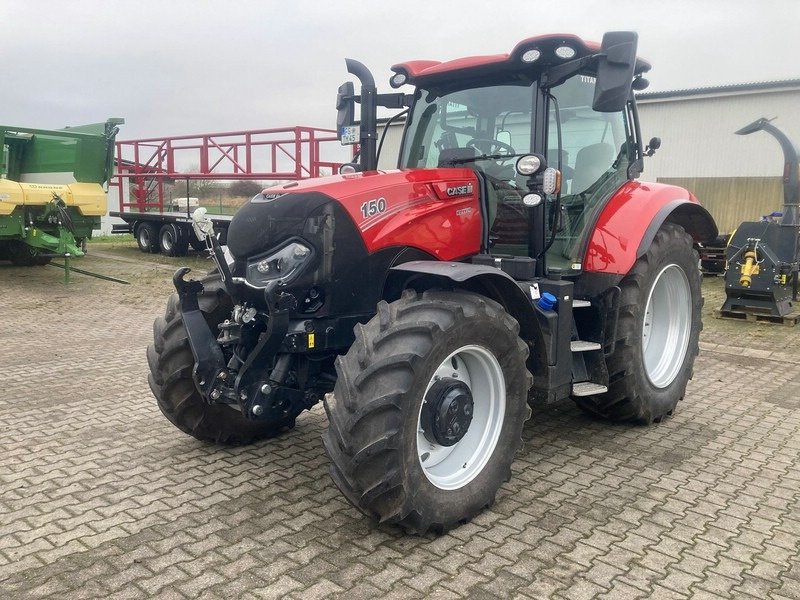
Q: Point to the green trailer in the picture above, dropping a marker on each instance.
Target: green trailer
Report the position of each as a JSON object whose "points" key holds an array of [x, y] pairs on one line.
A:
{"points": [[51, 189]]}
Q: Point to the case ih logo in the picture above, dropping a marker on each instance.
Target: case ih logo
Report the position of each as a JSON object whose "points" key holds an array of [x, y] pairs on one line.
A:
{"points": [[460, 190]]}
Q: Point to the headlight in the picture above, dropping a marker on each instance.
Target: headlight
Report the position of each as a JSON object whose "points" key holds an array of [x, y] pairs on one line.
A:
{"points": [[529, 164], [283, 264]]}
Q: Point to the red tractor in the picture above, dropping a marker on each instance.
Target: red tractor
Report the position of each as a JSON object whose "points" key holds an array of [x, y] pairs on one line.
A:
{"points": [[512, 257]]}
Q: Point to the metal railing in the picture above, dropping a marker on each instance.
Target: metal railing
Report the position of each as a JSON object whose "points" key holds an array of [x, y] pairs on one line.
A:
{"points": [[290, 153]]}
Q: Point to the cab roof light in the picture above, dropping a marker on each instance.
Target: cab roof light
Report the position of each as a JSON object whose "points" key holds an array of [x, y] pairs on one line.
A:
{"points": [[531, 56]]}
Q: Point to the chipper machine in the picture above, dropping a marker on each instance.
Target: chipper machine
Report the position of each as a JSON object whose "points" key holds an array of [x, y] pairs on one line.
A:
{"points": [[763, 256]]}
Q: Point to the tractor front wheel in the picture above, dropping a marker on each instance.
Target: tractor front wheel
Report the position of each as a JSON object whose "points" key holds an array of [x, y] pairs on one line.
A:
{"points": [[171, 362], [428, 409], [657, 333]]}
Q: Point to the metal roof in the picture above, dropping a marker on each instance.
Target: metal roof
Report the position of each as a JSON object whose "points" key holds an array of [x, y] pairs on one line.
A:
{"points": [[732, 88]]}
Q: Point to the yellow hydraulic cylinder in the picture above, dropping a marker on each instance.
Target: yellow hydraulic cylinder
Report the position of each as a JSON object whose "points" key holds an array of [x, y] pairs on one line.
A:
{"points": [[749, 268]]}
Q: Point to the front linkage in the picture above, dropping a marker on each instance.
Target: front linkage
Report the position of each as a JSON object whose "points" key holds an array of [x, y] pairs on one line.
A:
{"points": [[226, 377]]}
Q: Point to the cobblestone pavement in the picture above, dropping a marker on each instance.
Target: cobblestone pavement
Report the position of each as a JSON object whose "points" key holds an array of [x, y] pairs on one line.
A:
{"points": [[102, 497]]}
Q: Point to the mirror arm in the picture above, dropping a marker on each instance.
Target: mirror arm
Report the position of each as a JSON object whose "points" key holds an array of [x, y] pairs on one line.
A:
{"points": [[560, 73]]}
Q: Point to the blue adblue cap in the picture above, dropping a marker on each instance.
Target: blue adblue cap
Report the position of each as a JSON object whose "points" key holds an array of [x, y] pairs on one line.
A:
{"points": [[547, 301]]}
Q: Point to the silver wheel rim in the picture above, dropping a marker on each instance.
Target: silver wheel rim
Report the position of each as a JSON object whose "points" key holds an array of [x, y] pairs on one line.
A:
{"points": [[667, 325], [144, 237], [166, 241], [453, 467]]}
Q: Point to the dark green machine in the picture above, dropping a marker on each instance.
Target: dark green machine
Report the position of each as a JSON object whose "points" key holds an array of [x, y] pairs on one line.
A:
{"points": [[763, 257]]}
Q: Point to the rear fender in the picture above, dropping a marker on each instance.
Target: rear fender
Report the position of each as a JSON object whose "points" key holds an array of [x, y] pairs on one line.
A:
{"points": [[630, 220], [484, 280]]}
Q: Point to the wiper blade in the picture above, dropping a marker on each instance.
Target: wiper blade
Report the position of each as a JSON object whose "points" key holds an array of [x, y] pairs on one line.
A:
{"points": [[469, 159]]}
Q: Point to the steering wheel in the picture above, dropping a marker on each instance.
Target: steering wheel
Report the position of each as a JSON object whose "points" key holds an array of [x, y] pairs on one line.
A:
{"points": [[487, 146]]}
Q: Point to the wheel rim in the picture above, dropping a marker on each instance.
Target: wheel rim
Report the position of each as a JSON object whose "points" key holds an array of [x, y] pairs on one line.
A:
{"points": [[144, 237], [667, 326], [166, 240], [453, 467]]}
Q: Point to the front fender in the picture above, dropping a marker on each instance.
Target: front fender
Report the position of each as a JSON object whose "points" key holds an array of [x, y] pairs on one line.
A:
{"points": [[629, 222], [485, 280]]}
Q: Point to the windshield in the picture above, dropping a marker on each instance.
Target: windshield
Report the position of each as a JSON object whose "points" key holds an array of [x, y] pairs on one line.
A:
{"points": [[460, 127]]}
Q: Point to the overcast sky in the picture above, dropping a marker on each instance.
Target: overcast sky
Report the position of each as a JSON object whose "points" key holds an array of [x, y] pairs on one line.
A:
{"points": [[178, 66]]}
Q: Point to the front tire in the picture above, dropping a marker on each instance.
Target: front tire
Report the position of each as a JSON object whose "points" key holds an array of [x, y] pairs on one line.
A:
{"points": [[417, 358], [657, 333], [171, 362]]}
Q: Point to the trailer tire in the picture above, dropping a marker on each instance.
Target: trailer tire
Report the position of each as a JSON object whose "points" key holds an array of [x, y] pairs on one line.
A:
{"points": [[146, 237], [390, 398], [657, 333], [172, 240], [222, 236], [198, 245], [171, 363], [22, 255]]}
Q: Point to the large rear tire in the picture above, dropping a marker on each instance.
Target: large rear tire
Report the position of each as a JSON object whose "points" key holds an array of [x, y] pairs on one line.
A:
{"points": [[428, 410], [657, 333], [171, 362]]}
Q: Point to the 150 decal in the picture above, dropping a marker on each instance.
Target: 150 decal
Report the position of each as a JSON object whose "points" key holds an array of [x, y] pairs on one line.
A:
{"points": [[373, 207]]}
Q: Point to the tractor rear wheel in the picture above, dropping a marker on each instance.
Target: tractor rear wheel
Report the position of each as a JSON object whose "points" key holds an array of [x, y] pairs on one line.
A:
{"points": [[428, 410], [171, 362], [657, 333]]}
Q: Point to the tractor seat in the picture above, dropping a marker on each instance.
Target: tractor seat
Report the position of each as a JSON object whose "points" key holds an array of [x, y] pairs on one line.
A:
{"points": [[590, 164]]}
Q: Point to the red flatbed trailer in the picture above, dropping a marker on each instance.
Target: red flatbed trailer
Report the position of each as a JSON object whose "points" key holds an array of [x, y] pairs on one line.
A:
{"points": [[150, 164]]}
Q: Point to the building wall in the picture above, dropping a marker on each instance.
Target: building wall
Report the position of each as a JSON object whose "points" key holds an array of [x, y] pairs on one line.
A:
{"points": [[737, 178], [697, 134]]}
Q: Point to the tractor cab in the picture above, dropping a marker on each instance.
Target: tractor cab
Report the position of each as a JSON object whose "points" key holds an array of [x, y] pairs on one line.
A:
{"points": [[565, 102]]}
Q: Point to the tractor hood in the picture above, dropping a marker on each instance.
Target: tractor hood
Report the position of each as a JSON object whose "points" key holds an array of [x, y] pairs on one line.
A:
{"points": [[433, 210]]}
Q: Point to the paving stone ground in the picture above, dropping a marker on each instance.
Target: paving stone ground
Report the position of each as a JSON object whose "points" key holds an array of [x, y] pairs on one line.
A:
{"points": [[101, 497]]}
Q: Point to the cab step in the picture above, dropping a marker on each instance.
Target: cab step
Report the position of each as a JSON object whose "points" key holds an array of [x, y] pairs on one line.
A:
{"points": [[582, 346], [587, 388], [581, 303]]}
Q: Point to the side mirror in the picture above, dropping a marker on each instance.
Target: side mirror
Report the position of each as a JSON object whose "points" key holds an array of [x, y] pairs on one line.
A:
{"points": [[615, 69], [653, 145], [345, 117]]}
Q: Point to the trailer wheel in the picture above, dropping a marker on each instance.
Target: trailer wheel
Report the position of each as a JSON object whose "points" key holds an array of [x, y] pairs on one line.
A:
{"points": [[428, 410], [198, 245], [657, 333], [171, 241], [171, 362], [146, 237], [22, 255]]}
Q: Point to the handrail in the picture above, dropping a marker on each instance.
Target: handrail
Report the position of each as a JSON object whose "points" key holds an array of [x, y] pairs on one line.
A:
{"points": [[264, 154]]}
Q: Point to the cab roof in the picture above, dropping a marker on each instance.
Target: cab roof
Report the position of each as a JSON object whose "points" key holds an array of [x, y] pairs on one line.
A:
{"points": [[421, 72]]}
